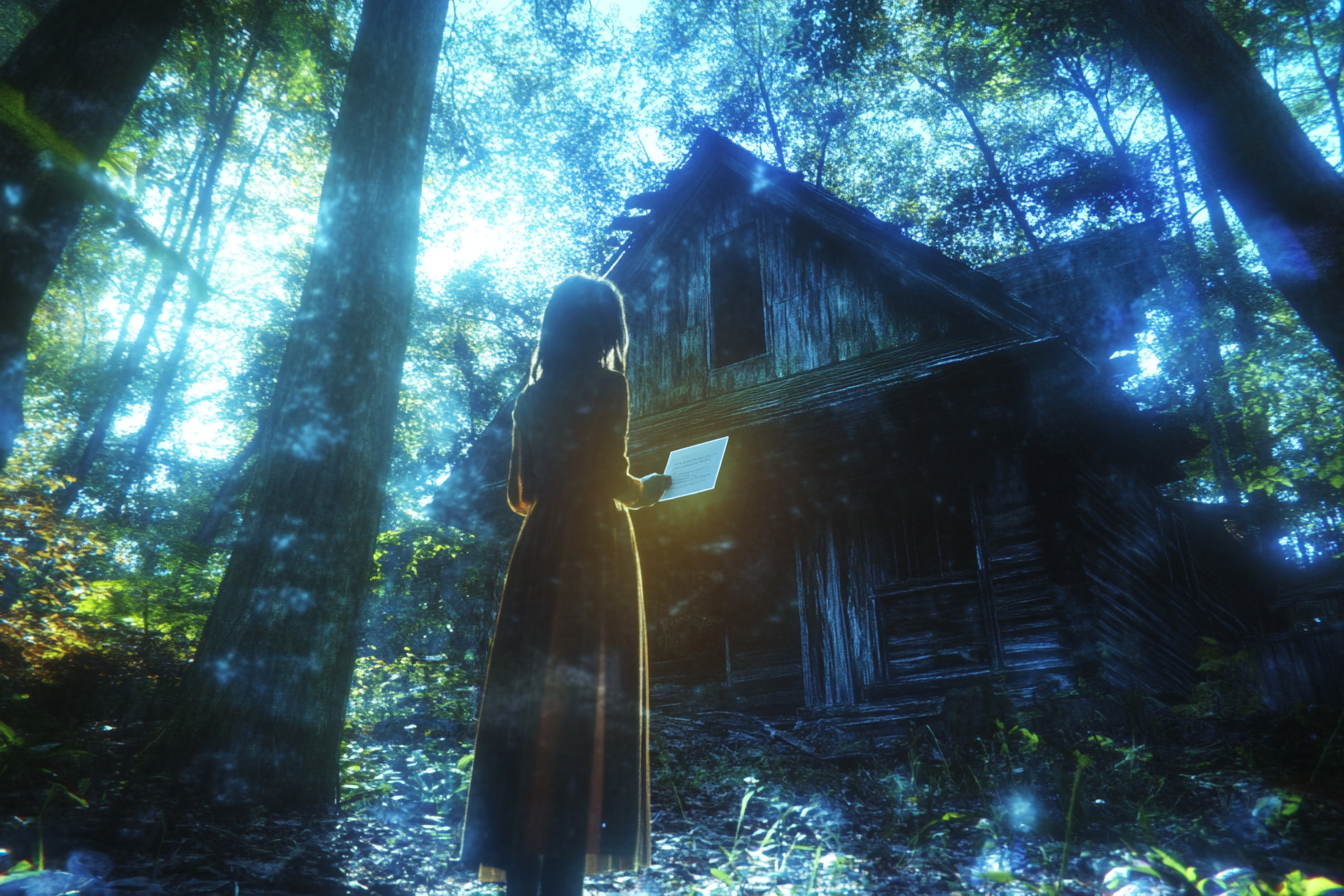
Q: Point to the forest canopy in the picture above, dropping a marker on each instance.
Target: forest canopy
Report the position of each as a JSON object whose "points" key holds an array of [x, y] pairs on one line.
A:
{"points": [[983, 129], [270, 268]]}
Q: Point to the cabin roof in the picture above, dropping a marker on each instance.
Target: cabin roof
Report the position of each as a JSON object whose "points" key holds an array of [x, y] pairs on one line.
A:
{"points": [[804, 393], [1089, 287], [473, 497], [711, 152]]}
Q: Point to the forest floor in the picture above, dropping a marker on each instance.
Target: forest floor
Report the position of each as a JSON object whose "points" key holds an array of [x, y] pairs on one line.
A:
{"points": [[1081, 796]]}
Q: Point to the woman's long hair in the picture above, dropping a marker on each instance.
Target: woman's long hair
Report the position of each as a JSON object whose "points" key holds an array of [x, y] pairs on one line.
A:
{"points": [[583, 327]]}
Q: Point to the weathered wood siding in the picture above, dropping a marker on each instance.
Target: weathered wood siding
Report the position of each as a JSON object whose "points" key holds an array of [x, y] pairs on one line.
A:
{"points": [[1302, 667], [823, 303], [1147, 592], [838, 565], [916, 550], [924, 534], [924, 487], [987, 606], [1032, 632], [1303, 662], [723, 630], [1089, 287]]}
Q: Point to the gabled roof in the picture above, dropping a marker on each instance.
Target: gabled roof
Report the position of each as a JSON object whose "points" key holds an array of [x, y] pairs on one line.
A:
{"points": [[1090, 287], [712, 152]]}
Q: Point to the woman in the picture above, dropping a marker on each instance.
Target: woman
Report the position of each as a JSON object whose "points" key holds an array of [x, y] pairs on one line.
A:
{"points": [[560, 780]]}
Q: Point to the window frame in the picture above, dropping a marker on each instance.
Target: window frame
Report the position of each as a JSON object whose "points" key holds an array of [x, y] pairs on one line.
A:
{"points": [[711, 318]]}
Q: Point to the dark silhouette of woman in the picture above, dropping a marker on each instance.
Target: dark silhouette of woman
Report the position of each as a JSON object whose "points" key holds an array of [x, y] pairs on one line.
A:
{"points": [[560, 779]]}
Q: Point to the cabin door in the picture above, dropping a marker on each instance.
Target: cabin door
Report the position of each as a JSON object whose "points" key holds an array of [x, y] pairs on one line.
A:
{"points": [[939, 624], [841, 644], [897, 607]]}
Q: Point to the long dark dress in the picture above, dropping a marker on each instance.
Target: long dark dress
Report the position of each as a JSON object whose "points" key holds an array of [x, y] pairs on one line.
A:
{"points": [[562, 761]]}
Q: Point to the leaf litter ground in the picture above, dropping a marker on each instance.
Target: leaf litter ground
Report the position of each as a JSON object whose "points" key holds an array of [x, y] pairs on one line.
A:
{"points": [[750, 806]]}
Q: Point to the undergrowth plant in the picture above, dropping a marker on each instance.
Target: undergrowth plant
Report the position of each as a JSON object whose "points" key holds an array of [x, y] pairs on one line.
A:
{"points": [[406, 757], [786, 843], [1163, 865], [405, 685], [1054, 786]]}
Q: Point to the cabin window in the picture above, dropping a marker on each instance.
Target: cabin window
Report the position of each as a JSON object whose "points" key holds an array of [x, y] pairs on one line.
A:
{"points": [[936, 537], [737, 305]]}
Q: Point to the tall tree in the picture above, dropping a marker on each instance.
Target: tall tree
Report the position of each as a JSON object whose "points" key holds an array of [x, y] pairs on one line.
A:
{"points": [[263, 705], [222, 122], [1288, 197], [64, 91], [1320, 31], [168, 370], [749, 42], [966, 66], [834, 40], [1072, 49]]}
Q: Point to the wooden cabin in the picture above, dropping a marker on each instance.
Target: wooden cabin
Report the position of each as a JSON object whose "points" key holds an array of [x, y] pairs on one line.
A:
{"points": [[927, 485]]}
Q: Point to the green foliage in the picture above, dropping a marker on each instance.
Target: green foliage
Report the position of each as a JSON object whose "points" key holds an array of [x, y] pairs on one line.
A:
{"points": [[1229, 685], [407, 750], [406, 686], [1233, 882], [41, 550], [790, 842], [67, 663], [834, 37], [548, 116]]}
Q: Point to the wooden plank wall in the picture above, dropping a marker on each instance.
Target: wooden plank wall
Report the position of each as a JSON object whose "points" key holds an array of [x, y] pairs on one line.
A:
{"points": [[823, 303], [1125, 594], [1302, 662], [877, 626], [934, 637], [719, 602], [838, 566], [999, 614], [1145, 607], [1302, 667]]}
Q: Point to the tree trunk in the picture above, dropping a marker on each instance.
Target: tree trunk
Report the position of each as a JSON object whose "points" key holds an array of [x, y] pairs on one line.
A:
{"points": [[996, 175], [1206, 365], [196, 232], [121, 381], [74, 77], [1239, 284], [1250, 440], [1328, 81], [88, 407], [163, 386], [1289, 198], [263, 705], [228, 492], [1081, 86]]}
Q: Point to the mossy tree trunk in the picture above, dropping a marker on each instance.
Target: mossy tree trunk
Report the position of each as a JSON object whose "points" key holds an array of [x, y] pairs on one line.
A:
{"points": [[67, 88], [263, 706], [1288, 197]]}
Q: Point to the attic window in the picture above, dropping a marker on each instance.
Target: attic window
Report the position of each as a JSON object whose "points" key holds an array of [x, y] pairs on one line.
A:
{"points": [[737, 306]]}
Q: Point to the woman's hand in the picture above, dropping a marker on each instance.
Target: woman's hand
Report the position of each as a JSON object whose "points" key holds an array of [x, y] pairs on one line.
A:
{"points": [[655, 485]]}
